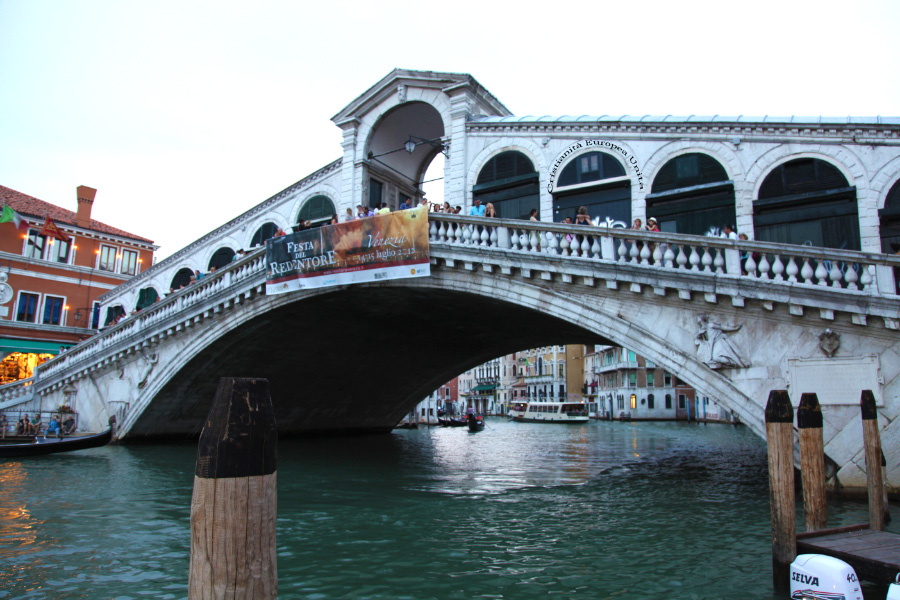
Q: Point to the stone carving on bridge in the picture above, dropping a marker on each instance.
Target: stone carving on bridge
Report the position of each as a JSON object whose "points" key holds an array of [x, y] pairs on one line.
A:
{"points": [[715, 347], [150, 358], [829, 342]]}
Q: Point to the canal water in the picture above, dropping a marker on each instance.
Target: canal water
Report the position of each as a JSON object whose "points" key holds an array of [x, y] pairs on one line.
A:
{"points": [[517, 511]]}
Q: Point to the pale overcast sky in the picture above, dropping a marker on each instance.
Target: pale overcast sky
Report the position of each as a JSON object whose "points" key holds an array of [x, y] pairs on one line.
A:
{"points": [[185, 114]]}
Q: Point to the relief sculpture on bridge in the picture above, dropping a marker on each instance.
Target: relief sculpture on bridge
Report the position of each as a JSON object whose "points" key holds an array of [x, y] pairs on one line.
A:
{"points": [[715, 347]]}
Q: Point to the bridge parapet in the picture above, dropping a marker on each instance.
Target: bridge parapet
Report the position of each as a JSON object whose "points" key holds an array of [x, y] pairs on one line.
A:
{"points": [[831, 267], [828, 279], [167, 316]]}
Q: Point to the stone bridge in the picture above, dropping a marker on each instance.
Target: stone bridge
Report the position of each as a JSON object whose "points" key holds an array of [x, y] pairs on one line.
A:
{"points": [[357, 358]]}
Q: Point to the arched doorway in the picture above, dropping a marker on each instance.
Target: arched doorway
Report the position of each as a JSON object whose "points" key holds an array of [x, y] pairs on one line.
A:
{"points": [[807, 201], [146, 297], [692, 194], [399, 149], [182, 279], [318, 210], [265, 232], [509, 182], [890, 219], [598, 181], [220, 258]]}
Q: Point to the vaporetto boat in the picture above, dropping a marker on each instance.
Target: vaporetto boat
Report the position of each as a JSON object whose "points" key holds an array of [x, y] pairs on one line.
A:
{"points": [[549, 412]]}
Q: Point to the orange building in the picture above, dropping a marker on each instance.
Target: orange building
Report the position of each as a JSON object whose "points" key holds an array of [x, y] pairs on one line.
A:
{"points": [[49, 285]]}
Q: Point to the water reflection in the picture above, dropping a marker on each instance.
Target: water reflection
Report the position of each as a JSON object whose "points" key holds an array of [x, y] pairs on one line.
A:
{"points": [[604, 510]]}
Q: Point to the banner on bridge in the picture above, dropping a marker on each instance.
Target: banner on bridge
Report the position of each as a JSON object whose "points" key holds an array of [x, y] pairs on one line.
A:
{"points": [[390, 246]]}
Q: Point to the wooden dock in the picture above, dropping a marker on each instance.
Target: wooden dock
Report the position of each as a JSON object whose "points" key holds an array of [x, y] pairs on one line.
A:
{"points": [[874, 555]]}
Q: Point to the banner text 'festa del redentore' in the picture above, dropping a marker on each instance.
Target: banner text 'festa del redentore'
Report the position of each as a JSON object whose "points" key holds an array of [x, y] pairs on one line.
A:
{"points": [[390, 246]]}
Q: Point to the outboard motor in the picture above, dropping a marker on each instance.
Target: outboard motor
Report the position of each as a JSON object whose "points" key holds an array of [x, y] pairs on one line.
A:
{"points": [[894, 589], [820, 577]]}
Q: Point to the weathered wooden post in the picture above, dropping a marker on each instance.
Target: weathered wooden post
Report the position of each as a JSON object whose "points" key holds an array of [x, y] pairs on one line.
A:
{"points": [[874, 478], [233, 508], [780, 442], [812, 462]]}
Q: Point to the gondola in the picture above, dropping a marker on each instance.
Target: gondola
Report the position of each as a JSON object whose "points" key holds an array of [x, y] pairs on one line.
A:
{"points": [[53, 445], [475, 423]]}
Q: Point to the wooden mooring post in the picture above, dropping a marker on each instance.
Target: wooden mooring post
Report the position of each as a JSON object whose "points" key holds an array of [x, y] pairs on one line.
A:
{"points": [[874, 477], [812, 462], [233, 508], [780, 443]]}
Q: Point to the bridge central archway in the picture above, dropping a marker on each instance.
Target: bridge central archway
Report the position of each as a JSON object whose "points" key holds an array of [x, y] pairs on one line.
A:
{"points": [[355, 359]]}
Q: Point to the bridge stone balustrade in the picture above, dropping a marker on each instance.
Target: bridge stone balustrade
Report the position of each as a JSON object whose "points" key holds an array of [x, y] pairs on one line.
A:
{"points": [[358, 357]]}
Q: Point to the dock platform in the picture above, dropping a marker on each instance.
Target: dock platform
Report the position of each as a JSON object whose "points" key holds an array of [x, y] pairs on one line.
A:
{"points": [[874, 555]]}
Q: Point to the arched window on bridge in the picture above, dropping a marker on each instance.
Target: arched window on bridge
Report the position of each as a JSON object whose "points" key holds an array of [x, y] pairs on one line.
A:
{"points": [[266, 231], [182, 279], [598, 181], [692, 194], [220, 258], [318, 210], [509, 182], [890, 219], [807, 201], [146, 297], [113, 313]]}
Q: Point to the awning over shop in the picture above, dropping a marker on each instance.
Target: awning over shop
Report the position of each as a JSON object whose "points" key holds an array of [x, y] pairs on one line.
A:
{"points": [[485, 387], [8, 345]]}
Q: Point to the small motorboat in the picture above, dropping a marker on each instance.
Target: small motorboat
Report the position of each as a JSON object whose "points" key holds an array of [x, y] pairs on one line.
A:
{"points": [[52, 445], [475, 423]]}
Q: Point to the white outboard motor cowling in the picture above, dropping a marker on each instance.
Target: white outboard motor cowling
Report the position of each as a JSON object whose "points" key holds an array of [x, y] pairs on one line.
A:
{"points": [[820, 577]]}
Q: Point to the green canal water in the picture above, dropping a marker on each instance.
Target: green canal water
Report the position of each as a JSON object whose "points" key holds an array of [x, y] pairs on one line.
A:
{"points": [[518, 511]]}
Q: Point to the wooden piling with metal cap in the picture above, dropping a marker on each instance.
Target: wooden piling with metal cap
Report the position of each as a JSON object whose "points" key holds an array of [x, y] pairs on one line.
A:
{"points": [[874, 477], [780, 443], [812, 462], [233, 509]]}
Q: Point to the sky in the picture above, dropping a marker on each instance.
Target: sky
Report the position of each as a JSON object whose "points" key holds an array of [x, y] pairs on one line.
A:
{"points": [[185, 114]]}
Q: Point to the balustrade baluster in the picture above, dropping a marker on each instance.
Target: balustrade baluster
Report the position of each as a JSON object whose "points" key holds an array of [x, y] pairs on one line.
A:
{"points": [[645, 254], [669, 257], [634, 253], [441, 232], [706, 260], [485, 236], [623, 251], [851, 277], [719, 261], [866, 279], [552, 244], [764, 267], [533, 242], [595, 248], [493, 238], [457, 233], [514, 238], [836, 275], [585, 246], [694, 259], [821, 274], [682, 259], [806, 272], [792, 270], [750, 265], [778, 269], [467, 234], [433, 231]]}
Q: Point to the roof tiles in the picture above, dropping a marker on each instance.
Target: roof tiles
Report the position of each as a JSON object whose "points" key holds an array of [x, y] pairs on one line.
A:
{"points": [[32, 207]]}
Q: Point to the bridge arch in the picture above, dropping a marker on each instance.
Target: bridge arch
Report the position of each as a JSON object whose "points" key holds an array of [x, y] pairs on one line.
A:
{"points": [[388, 163], [287, 338]]}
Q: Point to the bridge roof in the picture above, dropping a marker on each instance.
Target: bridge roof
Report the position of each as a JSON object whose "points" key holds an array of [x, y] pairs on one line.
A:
{"points": [[39, 209], [793, 119]]}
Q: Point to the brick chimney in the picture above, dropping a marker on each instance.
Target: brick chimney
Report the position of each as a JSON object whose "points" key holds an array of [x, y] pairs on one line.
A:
{"points": [[85, 203]]}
